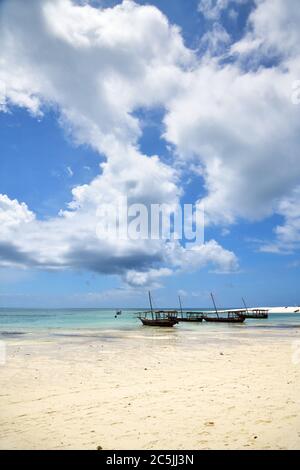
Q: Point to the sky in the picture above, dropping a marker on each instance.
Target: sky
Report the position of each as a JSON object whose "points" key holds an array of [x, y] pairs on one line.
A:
{"points": [[162, 102]]}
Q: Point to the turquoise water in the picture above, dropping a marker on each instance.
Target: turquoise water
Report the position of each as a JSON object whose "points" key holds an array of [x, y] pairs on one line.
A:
{"points": [[33, 319], [24, 320]]}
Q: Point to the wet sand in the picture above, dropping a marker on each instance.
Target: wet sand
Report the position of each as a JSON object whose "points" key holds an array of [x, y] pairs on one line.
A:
{"points": [[152, 389]]}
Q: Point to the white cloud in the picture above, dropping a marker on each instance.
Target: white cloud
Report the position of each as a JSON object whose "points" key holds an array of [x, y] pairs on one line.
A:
{"points": [[70, 241], [287, 235], [273, 29], [13, 214], [212, 9], [242, 128], [199, 256], [138, 278], [216, 40], [96, 67]]}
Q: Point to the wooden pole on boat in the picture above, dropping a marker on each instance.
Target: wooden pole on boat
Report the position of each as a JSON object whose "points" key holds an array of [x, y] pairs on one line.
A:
{"points": [[245, 304], [214, 304], [180, 305], [150, 301]]}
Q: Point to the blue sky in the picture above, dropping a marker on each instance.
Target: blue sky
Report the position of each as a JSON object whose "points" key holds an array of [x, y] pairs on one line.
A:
{"points": [[209, 143]]}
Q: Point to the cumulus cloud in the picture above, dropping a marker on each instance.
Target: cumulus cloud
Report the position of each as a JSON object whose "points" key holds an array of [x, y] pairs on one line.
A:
{"points": [[210, 253], [71, 241], [273, 29], [216, 40], [12, 213], [98, 66], [138, 278], [212, 9], [287, 235], [95, 67], [242, 127]]}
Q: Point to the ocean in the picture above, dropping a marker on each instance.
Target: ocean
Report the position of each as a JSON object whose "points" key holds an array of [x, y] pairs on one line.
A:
{"points": [[14, 321]]}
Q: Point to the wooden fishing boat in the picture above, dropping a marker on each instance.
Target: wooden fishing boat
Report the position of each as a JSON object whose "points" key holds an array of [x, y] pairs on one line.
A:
{"points": [[256, 313], [193, 317], [161, 318], [231, 316], [158, 319]]}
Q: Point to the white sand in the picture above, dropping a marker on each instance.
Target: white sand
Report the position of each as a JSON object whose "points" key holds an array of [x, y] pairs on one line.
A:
{"points": [[283, 309], [280, 310], [160, 390]]}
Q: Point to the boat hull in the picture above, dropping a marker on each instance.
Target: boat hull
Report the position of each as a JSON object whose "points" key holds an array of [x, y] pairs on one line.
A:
{"points": [[191, 320], [225, 320], [163, 322], [260, 317]]}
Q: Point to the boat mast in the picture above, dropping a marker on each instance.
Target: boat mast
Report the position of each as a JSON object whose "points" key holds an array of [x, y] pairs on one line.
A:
{"points": [[180, 305], [214, 304], [150, 301], [245, 304]]}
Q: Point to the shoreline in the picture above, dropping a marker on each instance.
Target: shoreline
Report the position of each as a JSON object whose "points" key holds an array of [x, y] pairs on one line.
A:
{"points": [[273, 309]]}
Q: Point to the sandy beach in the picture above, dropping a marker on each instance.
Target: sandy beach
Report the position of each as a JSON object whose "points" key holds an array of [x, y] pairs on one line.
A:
{"points": [[152, 389], [149, 226]]}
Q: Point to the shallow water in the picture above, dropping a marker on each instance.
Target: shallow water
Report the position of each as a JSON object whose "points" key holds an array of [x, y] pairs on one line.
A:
{"points": [[102, 324]]}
